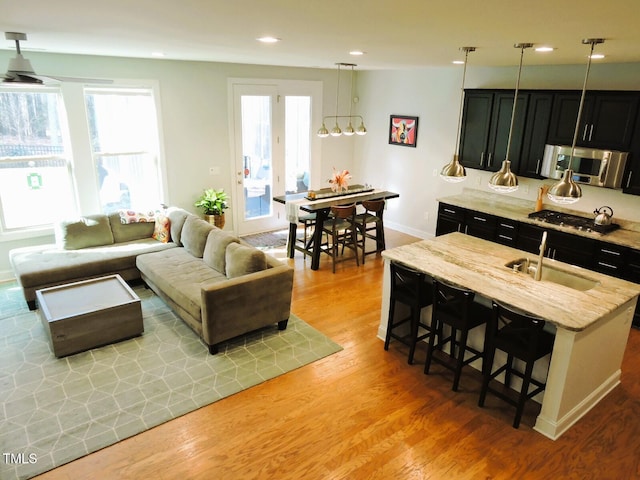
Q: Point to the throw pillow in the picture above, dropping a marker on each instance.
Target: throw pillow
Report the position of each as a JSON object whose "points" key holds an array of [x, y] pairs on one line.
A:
{"points": [[90, 231], [129, 216], [162, 231], [214, 250], [242, 260]]}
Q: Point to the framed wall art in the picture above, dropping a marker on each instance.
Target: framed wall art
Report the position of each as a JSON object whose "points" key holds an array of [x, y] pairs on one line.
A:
{"points": [[403, 130]]}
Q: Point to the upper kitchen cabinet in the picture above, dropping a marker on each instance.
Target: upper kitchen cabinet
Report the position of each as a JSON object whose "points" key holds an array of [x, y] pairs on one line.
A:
{"points": [[485, 128], [631, 180], [535, 134], [608, 119]]}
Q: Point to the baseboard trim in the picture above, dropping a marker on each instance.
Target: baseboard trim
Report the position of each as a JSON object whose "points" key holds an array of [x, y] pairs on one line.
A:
{"points": [[554, 429]]}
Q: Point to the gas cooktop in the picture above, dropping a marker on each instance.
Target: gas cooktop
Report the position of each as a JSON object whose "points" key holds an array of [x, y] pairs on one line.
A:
{"points": [[573, 221]]}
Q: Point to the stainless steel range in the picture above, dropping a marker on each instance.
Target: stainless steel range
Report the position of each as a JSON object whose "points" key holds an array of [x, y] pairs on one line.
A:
{"points": [[573, 221]]}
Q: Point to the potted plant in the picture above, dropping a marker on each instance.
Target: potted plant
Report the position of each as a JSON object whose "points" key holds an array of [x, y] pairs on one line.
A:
{"points": [[214, 203]]}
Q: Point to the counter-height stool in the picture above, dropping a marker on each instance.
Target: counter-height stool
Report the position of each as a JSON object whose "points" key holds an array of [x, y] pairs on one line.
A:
{"points": [[413, 289], [342, 231], [520, 336], [371, 225], [456, 308], [308, 221]]}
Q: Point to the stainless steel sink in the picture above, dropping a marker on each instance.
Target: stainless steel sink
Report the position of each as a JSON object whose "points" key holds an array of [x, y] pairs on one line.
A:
{"points": [[552, 274]]}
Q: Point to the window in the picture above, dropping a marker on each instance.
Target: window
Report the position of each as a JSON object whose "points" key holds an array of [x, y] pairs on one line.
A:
{"points": [[115, 162], [124, 145], [35, 174]]}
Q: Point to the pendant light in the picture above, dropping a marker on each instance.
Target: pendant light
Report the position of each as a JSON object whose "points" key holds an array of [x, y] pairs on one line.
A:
{"points": [[336, 131], [454, 171], [566, 191], [504, 180]]}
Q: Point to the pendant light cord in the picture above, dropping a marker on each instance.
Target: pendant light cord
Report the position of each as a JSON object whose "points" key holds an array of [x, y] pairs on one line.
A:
{"points": [[351, 94], [584, 90], [515, 98], [464, 74], [337, 93]]}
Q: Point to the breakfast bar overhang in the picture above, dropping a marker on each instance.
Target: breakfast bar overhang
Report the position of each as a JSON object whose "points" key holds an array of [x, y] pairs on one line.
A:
{"points": [[592, 326]]}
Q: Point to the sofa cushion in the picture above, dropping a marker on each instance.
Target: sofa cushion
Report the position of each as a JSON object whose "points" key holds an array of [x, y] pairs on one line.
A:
{"points": [[46, 265], [89, 231], [242, 260], [162, 230], [177, 217], [194, 235], [127, 232], [179, 275], [215, 249]]}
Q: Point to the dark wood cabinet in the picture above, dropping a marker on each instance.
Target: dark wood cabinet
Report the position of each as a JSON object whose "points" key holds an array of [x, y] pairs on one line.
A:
{"points": [[608, 119], [481, 225], [609, 259], [450, 219], [561, 246], [506, 231], [485, 128], [474, 136], [536, 130], [631, 180], [572, 249]]}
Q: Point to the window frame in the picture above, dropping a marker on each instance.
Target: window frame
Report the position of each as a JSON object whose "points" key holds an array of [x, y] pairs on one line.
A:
{"points": [[80, 159]]}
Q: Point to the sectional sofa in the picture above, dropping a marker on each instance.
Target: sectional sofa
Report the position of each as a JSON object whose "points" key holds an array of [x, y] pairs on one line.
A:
{"points": [[218, 285]]}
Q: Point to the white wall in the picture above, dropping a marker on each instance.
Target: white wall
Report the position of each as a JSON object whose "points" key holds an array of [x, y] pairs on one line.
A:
{"points": [[196, 131], [433, 94]]}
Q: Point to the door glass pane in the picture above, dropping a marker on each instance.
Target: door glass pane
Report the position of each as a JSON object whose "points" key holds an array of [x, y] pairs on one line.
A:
{"points": [[257, 155], [297, 143], [35, 176]]}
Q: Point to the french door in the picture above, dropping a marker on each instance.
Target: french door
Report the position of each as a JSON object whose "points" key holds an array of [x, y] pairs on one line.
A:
{"points": [[275, 150]]}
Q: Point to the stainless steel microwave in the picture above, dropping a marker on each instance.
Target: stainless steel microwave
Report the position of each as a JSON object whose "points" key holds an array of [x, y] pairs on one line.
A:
{"points": [[600, 168]]}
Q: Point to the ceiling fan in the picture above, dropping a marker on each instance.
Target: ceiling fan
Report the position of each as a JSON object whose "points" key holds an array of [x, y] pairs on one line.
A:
{"points": [[21, 71]]}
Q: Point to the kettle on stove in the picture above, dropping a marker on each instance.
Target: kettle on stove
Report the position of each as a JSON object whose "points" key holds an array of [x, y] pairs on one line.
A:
{"points": [[604, 215]]}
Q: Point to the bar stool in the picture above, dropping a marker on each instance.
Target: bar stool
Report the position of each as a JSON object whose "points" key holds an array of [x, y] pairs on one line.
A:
{"points": [[520, 336], [342, 230], [308, 220], [411, 288], [371, 221], [456, 308]]}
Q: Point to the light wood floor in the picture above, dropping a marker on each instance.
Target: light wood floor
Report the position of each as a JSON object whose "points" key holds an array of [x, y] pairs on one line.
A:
{"points": [[364, 413]]}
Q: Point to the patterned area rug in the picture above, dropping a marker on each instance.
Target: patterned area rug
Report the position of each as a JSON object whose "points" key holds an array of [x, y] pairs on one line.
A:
{"points": [[57, 410], [268, 240]]}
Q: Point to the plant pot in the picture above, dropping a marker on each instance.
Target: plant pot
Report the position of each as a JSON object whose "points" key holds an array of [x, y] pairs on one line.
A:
{"points": [[217, 220]]}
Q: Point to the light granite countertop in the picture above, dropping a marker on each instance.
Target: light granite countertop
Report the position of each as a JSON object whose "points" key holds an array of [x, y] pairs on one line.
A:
{"points": [[479, 265], [518, 209]]}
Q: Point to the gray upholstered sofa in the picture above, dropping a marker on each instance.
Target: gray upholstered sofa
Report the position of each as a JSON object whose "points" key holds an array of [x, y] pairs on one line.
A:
{"points": [[219, 286], [89, 247]]}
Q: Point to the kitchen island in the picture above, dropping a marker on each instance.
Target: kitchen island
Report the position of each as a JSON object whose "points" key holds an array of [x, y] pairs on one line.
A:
{"points": [[592, 325]]}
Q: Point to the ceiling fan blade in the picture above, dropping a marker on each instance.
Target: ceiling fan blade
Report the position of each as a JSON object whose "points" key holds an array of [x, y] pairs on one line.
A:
{"points": [[13, 77], [34, 79], [76, 79]]}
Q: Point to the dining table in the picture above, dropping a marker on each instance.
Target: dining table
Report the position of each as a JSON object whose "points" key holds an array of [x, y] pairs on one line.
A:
{"points": [[320, 203]]}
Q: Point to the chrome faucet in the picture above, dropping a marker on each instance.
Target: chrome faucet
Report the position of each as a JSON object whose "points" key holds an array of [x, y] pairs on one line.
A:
{"points": [[543, 247]]}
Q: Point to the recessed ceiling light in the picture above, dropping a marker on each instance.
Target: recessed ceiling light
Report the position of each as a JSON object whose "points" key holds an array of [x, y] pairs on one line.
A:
{"points": [[268, 39], [356, 52], [597, 56], [545, 49], [158, 54], [458, 62]]}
